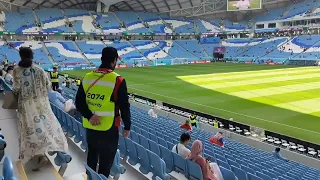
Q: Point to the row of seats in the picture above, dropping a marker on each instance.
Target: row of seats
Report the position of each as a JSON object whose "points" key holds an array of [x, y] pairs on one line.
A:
{"points": [[243, 157], [235, 159], [74, 130]]}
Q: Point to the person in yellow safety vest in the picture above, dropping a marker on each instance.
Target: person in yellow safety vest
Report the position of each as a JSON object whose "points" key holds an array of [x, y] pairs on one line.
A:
{"points": [[54, 79], [193, 120], [215, 124], [6, 62], [102, 96], [78, 81]]}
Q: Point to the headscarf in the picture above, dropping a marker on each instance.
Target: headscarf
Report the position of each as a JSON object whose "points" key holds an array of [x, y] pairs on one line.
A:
{"points": [[196, 150]]}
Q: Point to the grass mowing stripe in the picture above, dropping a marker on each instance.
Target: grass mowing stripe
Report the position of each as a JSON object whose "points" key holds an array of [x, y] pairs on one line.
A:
{"points": [[248, 75], [263, 85], [258, 81], [288, 97], [276, 90]]}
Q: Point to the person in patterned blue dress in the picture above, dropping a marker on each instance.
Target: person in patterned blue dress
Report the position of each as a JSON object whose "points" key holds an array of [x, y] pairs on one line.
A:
{"points": [[39, 129]]}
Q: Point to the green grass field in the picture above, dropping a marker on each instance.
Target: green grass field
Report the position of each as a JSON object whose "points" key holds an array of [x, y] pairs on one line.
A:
{"points": [[283, 99], [255, 4]]}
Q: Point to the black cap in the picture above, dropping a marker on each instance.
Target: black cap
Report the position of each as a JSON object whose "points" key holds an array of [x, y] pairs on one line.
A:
{"points": [[109, 54]]}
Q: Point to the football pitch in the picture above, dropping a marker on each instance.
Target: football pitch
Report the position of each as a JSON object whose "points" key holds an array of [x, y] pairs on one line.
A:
{"points": [[254, 4], [283, 99]]}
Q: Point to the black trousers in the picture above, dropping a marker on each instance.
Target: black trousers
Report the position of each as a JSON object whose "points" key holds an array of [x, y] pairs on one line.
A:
{"points": [[102, 147], [194, 124], [55, 85]]}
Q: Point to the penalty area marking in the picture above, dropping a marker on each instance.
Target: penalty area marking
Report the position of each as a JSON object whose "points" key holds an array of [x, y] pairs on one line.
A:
{"points": [[225, 110]]}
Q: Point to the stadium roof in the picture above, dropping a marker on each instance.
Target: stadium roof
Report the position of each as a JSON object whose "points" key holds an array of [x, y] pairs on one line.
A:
{"points": [[157, 6]]}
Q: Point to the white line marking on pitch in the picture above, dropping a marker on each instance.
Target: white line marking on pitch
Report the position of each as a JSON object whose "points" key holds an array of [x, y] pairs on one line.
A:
{"points": [[226, 111]]}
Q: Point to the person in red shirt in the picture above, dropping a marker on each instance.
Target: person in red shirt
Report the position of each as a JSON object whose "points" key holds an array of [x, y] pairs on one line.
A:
{"points": [[186, 126], [217, 139]]}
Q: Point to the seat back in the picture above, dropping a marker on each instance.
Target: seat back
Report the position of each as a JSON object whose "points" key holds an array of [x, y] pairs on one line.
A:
{"points": [[131, 151], [233, 163], [272, 175], [154, 147], [247, 169], [263, 176], [223, 164], [179, 163], [117, 168], [167, 157], [143, 141], [92, 175], [158, 166], [144, 133], [253, 177], [134, 137], [153, 137], [143, 159], [194, 171], [7, 168], [239, 173], [170, 145], [227, 174], [122, 147], [162, 142]]}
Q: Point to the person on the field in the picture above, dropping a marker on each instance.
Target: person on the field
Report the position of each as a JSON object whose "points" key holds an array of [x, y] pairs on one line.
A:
{"points": [[217, 139], [187, 126], [181, 147]]}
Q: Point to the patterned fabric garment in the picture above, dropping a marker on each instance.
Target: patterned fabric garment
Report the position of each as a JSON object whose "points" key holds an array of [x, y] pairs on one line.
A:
{"points": [[39, 129]]}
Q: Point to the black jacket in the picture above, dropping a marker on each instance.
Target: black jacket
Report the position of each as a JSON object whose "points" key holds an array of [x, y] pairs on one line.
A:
{"points": [[122, 103]]}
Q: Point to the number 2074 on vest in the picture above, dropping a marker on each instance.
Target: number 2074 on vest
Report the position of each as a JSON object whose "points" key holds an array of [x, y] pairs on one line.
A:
{"points": [[95, 96]]}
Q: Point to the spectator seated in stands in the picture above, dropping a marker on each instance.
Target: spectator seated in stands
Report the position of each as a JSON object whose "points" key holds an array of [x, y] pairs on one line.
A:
{"points": [[210, 171], [276, 154], [57, 99], [152, 113], [186, 125], [181, 147], [217, 139], [8, 76]]}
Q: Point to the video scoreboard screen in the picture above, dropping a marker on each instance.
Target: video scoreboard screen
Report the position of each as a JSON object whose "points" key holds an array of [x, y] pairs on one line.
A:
{"points": [[242, 5], [219, 50]]}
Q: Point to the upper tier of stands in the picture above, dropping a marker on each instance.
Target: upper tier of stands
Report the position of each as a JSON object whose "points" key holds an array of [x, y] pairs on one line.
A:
{"points": [[277, 49], [55, 20]]}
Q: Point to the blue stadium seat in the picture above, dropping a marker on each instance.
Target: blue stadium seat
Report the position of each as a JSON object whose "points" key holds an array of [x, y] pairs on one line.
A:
{"points": [[247, 169], [162, 142], [166, 155], [122, 147], [134, 137], [8, 169], [272, 175], [117, 168], [253, 177], [179, 163], [92, 175], [131, 151], [143, 159], [223, 164], [227, 174], [194, 171], [158, 166], [233, 163], [154, 147], [263, 176], [239, 173], [170, 145], [153, 137], [143, 141]]}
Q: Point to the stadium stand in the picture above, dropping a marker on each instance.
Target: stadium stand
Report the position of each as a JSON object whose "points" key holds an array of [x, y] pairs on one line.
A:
{"points": [[81, 20], [132, 21], [53, 20], [20, 21]]}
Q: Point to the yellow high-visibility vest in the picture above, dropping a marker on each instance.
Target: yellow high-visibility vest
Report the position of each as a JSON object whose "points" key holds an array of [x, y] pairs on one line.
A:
{"points": [[6, 62], [78, 82], [193, 119], [98, 99], [216, 124], [54, 76]]}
